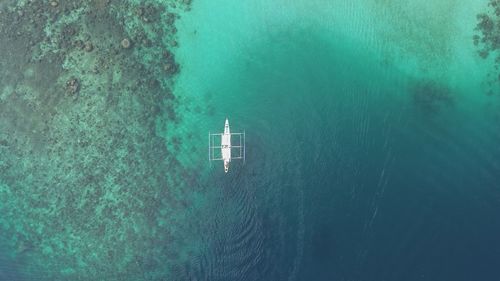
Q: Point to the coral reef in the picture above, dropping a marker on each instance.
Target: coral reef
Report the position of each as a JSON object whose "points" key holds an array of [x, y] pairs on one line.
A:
{"points": [[487, 41], [88, 188]]}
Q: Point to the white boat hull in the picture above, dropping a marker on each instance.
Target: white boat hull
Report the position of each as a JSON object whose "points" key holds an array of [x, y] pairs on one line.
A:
{"points": [[226, 146], [228, 151]]}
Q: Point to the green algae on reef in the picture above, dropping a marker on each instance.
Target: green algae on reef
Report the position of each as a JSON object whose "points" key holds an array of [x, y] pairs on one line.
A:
{"points": [[88, 187]]}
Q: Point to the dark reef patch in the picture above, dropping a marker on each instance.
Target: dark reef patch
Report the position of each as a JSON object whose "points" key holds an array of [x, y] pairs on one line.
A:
{"points": [[430, 96], [487, 42]]}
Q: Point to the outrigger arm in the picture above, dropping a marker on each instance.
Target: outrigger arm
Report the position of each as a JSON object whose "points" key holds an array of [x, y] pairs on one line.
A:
{"points": [[226, 146]]}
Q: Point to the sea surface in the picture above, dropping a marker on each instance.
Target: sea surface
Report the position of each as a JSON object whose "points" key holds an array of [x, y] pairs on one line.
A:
{"points": [[372, 147]]}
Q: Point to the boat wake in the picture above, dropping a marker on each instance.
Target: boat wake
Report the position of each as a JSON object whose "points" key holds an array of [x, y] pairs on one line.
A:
{"points": [[252, 225]]}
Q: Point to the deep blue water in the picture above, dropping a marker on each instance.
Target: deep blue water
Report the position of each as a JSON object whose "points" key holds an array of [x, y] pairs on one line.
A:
{"points": [[357, 169]]}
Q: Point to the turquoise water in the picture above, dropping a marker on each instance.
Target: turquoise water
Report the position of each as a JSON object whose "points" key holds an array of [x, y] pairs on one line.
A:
{"points": [[371, 144], [372, 132]]}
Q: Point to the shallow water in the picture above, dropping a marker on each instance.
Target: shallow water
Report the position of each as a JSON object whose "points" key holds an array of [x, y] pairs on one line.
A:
{"points": [[371, 142]]}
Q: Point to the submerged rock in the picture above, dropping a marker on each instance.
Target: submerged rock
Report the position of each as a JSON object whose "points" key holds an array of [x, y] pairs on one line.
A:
{"points": [[88, 47], [125, 43], [171, 68], [72, 86], [78, 44], [3, 143]]}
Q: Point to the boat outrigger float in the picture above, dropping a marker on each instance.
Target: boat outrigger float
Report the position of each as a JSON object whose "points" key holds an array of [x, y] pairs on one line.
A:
{"points": [[225, 146]]}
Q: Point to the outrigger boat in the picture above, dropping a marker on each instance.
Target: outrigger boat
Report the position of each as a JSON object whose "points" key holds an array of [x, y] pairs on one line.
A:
{"points": [[225, 146]]}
